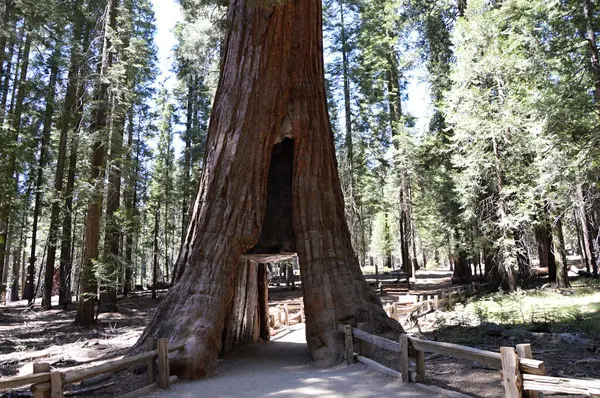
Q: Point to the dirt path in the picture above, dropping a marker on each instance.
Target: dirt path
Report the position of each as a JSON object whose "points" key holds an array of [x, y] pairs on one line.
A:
{"points": [[282, 368]]}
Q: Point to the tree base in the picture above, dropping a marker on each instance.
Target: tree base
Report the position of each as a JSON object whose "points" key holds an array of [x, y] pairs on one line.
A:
{"points": [[85, 310]]}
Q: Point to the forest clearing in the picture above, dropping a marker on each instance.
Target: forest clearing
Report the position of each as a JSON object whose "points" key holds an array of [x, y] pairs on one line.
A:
{"points": [[401, 186]]}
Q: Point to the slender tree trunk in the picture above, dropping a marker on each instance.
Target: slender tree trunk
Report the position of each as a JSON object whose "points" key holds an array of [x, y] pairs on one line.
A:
{"points": [[413, 240], [6, 18], [113, 234], [580, 248], [85, 309], [395, 111], [6, 71], [558, 241], [113, 201], [155, 251], [16, 262], [347, 108], [16, 126], [282, 79], [166, 233], [461, 5], [7, 195], [131, 202], [49, 272], [8, 190], [69, 106], [67, 245], [586, 232]]}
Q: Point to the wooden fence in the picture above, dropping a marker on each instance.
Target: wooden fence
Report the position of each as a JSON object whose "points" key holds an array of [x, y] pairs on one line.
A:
{"points": [[521, 374], [280, 317], [418, 305], [49, 384]]}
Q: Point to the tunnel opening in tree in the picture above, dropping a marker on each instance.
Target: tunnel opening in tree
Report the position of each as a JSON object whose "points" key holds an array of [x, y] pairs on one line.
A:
{"points": [[277, 233]]}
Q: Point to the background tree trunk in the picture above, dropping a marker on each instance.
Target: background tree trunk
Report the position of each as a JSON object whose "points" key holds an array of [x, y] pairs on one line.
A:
{"points": [[587, 235], [92, 225], [49, 273], [560, 253], [71, 120], [271, 87], [543, 236]]}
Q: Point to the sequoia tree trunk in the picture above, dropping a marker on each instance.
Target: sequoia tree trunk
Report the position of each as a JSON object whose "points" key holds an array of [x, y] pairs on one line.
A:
{"points": [[271, 89]]}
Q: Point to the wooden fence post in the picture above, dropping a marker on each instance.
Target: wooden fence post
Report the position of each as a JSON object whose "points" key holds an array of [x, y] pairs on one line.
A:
{"points": [[420, 362], [286, 313], [511, 376], [163, 363], [280, 315], [349, 342], [56, 389], [151, 363], [404, 372], [40, 367], [524, 351]]}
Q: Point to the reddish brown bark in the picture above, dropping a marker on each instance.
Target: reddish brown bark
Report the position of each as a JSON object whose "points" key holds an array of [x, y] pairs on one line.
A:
{"points": [[271, 87]]}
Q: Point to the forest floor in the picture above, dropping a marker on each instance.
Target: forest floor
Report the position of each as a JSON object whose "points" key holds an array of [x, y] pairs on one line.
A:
{"points": [[563, 327]]}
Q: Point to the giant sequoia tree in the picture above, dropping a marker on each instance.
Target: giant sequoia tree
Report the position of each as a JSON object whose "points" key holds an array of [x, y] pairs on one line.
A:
{"points": [[269, 117]]}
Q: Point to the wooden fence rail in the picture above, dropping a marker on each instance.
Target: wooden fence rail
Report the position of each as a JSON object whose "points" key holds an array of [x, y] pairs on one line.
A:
{"points": [[279, 316], [45, 383], [417, 305], [520, 371]]}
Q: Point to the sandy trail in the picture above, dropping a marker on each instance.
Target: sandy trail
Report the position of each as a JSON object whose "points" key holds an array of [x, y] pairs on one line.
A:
{"points": [[282, 368]]}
